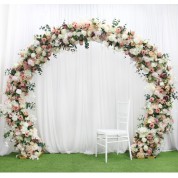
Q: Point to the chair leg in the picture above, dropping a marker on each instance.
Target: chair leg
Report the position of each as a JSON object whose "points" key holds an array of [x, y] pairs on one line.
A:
{"points": [[96, 151], [130, 149], [117, 146], [106, 150]]}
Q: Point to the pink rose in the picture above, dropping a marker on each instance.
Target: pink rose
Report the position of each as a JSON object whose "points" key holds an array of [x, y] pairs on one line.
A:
{"points": [[152, 125], [43, 46], [159, 54], [43, 40], [143, 52], [118, 30], [149, 151], [87, 25], [149, 137], [152, 99], [157, 110]]}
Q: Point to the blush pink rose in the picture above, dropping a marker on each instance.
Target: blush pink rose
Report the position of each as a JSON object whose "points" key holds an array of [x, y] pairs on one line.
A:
{"points": [[159, 54], [149, 151], [152, 125], [152, 99], [118, 30]]}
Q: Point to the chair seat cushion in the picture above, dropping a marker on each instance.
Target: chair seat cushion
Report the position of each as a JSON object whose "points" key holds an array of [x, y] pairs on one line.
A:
{"points": [[112, 132]]}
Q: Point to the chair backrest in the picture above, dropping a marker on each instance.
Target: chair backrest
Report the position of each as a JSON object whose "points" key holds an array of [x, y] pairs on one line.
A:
{"points": [[123, 115]]}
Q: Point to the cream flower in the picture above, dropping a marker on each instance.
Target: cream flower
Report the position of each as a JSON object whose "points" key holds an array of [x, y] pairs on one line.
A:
{"points": [[19, 91]]}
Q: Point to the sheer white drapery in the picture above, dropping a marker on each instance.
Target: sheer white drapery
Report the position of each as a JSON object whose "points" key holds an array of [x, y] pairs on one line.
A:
{"points": [[77, 92]]}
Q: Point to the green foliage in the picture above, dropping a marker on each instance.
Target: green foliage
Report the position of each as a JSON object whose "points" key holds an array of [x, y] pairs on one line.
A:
{"points": [[31, 86], [115, 22], [7, 134], [45, 28], [141, 121], [30, 105]]}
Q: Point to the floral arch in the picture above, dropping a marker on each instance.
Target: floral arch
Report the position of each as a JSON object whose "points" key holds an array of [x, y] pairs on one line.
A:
{"points": [[150, 63]]}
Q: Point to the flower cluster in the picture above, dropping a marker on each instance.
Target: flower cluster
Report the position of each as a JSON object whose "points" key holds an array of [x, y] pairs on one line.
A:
{"points": [[150, 63]]}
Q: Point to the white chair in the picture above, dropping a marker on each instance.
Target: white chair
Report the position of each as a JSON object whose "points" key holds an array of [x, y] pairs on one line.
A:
{"points": [[121, 134]]}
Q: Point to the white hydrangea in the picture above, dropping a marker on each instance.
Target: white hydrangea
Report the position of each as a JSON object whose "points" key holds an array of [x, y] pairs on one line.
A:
{"points": [[143, 131], [135, 51]]}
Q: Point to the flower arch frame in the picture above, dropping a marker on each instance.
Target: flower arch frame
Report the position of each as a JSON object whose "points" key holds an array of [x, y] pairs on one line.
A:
{"points": [[150, 63]]}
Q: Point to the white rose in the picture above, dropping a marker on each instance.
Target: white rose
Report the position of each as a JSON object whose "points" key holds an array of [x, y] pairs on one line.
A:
{"points": [[161, 84], [153, 64], [111, 38], [156, 140], [25, 124], [65, 41], [15, 78], [146, 70], [24, 129], [165, 111], [18, 91], [161, 61], [98, 33], [144, 140], [63, 31], [14, 118], [78, 33], [145, 147], [143, 130], [38, 50], [28, 73], [154, 74], [135, 51], [53, 37], [33, 55], [146, 59], [36, 43], [83, 33], [151, 119], [43, 53], [60, 36], [160, 106], [124, 36], [31, 62]]}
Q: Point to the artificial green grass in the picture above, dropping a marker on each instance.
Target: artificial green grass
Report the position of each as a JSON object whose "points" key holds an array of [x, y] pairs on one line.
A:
{"points": [[165, 162]]}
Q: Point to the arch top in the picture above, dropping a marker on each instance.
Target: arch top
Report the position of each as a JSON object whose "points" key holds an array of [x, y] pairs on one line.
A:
{"points": [[149, 62]]}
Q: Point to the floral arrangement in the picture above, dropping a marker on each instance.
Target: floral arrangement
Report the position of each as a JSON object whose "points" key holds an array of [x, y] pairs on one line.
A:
{"points": [[150, 63]]}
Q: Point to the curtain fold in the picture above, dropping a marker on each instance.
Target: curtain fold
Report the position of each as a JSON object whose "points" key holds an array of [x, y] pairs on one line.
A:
{"points": [[77, 92]]}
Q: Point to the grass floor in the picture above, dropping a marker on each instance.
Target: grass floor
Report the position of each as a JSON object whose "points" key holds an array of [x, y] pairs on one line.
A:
{"points": [[165, 162]]}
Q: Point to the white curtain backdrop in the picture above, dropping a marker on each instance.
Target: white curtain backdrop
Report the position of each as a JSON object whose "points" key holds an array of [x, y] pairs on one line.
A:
{"points": [[77, 92]]}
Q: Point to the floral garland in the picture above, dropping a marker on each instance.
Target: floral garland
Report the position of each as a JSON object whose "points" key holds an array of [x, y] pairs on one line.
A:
{"points": [[150, 63]]}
